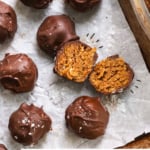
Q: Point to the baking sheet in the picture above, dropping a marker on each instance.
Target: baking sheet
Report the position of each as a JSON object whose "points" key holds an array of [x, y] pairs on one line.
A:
{"points": [[129, 111]]}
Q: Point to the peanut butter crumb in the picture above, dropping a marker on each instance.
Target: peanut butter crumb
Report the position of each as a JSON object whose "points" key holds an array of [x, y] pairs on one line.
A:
{"points": [[111, 75], [75, 61]]}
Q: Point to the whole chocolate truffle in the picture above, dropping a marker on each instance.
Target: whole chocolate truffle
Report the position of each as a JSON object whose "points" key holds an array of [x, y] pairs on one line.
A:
{"points": [[55, 31], [18, 73], [29, 124], [39, 4], [8, 22], [82, 5], [2, 147], [87, 117]]}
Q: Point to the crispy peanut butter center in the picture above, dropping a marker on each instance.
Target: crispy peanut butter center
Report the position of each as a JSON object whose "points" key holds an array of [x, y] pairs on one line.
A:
{"points": [[75, 61], [111, 75]]}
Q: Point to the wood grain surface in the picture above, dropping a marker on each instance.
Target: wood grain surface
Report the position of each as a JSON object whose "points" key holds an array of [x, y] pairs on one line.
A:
{"points": [[140, 35]]}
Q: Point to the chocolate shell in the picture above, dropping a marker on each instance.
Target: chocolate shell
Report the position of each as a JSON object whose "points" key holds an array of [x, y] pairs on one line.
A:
{"points": [[8, 22], [54, 32], [140, 142], [2, 147], [82, 5], [18, 73], [39, 4], [87, 117], [29, 124]]}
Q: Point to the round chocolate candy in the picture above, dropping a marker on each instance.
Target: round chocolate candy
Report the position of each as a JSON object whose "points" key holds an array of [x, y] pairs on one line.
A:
{"points": [[18, 73], [29, 124], [54, 32], [87, 117], [39, 4], [8, 22], [2, 147], [82, 5]]}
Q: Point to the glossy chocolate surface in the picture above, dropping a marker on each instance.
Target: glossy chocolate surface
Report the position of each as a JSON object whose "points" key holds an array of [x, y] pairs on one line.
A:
{"points": [[29, 124], [83, 5], [87, 117], [8, 22], [18, 73], [39, 4], [54, 32]]}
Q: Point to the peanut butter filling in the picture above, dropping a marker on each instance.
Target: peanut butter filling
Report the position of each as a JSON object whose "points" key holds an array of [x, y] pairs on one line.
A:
{"points": [[75, 61], [111, 75]]}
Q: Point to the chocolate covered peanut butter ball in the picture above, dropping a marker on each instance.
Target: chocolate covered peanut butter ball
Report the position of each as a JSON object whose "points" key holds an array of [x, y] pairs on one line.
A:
{"points": [[8, 22], [111, 75], [54, 32], [75, 61], [39, 4], [82, 5], [29, 124], [18, 73], [87, 117]]}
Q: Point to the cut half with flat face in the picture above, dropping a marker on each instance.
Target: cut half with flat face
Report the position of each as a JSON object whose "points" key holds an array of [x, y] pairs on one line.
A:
{"points": [[54, 32], [111, 75], [75, 61]]}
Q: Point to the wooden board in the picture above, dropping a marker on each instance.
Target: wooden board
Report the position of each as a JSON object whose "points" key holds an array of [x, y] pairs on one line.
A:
{"points": [[140, 35]]}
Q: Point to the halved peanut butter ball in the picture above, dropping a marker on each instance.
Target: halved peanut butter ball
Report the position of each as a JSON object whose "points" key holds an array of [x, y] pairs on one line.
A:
{"points": [[111, 75], [75, 61]]}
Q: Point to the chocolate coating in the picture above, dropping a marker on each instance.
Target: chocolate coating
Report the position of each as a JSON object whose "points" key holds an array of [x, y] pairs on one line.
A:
{"points": [[140, 142], [87, 117], [8, 22], [82, 5], [39, 4], [111, 75], [18, 73], [54, 32], [29, 124], [2, 147]]}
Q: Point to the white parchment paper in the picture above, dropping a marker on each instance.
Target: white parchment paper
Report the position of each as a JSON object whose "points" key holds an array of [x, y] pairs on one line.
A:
{"points": [[129, 111]]}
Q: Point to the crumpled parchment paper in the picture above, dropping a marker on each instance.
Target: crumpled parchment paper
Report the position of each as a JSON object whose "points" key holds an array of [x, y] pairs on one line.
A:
{"points": [[129, 111]]}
